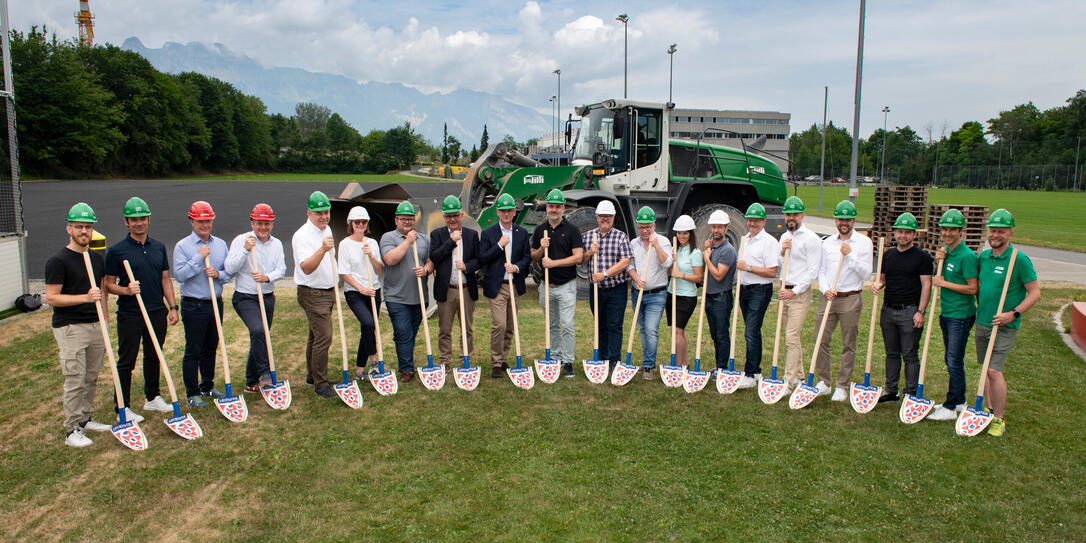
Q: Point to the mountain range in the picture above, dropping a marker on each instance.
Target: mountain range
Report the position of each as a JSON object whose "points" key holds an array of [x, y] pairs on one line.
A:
{"points": [[365, 105]]}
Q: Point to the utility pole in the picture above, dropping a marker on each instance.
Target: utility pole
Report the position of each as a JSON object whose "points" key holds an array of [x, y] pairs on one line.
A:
{"points": [[882, 174], [852, 190], [625, 20], [554, 123], [671, 68], [1077, 149], [822, 167]]}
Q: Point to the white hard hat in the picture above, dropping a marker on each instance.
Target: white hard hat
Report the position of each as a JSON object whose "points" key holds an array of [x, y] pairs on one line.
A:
{"points": [[605, 207], [358, 213], [719, 217], [684, 223]]}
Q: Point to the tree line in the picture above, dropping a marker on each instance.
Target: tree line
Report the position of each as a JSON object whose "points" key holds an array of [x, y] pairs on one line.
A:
{"points": [[1021, 136]]}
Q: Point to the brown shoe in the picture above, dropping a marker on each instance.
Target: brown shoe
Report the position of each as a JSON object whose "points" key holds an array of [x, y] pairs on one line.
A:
{"points": [[496, 372], [406, 376]]}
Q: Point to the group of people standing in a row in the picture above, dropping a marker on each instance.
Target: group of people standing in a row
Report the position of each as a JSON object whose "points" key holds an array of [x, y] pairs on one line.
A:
{"points": [[621, 269]]}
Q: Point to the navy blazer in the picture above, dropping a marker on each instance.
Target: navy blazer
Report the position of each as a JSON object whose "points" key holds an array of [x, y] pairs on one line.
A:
{"points": [[492, 258], [442, 248]]}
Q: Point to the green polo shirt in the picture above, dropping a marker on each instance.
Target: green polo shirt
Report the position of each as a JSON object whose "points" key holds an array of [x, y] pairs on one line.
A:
{"points": [[992, 275], [960, 264]]}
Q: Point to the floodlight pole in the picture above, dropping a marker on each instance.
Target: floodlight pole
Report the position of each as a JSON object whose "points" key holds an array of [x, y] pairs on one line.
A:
{"points": [[852, 190], [822, 167], [671, 68], [625, 20]]}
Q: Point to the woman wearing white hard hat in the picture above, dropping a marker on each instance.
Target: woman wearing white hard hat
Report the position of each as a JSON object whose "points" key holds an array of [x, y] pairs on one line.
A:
{"points": [[688, 270], [359, 260]]}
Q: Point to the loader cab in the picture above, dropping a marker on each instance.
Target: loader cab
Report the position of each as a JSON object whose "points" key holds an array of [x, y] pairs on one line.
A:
{"points": [[626, 145]]}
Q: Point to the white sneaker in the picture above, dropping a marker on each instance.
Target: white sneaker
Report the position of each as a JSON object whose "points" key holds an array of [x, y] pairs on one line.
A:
{"points": [[157, 404], [942, 413], [787, 391], [839, 395], [95, 426], [78, 439], [132, 416], [959, 408], [746, 382], [822, 388]]}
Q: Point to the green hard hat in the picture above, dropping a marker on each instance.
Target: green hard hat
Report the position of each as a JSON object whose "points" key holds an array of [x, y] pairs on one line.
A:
{"points": [[136, 207], [844, 210], [319, 202], [906, 221], [645, 215], [755, 211], [506, 201], [1001, 218], [451, 205], [793, 205], [555, 197], [81, 213], [952, 219], [405, 208]]}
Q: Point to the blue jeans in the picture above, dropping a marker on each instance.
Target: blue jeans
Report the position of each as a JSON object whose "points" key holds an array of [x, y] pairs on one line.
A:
{"points": [[563, 307], [718, 311], [247, 307], [754, 300], [201, 340], [611, 314], [955, 336], [648, 323], [405, 328]]}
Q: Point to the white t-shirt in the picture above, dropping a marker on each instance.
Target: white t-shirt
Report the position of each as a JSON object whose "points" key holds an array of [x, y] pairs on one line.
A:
{"points": [[352, 261], [762, 251], [305, 243]]}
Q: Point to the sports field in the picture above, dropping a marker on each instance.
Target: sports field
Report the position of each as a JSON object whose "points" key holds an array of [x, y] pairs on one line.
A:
{"points": [[345, 177], [1045, 219], [565, 462]]}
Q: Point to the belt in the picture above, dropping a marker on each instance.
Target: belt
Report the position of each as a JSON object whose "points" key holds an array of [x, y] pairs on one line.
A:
{"points": [[197, 300], [719, 294], [900, 306], [311, 288], [655, 290], [847, 294]]}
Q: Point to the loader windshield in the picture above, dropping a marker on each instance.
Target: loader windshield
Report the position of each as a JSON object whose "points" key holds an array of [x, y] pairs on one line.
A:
{"points": [[603, 140]]}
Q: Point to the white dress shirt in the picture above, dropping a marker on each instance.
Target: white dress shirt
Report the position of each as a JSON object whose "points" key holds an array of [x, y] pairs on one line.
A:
{"points": [[269, 258], [803, 260], [854, 271], [762, 251], [352, 261], [658, 274], [305, 243]]}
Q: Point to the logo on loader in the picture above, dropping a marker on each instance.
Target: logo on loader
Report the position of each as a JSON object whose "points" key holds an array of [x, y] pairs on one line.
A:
{"points": [[913, 409], [622, 374], [433, 378], [695, 380], [673, 376], [972, 422], [185, 426], [233, 408], [385, 383], [467, 379], [596, 371], [533, 179], [802, 396], [277, 396], [130, 435], [863, 398], [771, 390], [522, 377], [547, 370], [350, 394]]}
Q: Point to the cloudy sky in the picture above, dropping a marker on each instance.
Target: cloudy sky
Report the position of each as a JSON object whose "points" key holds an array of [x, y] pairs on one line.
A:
{"points": [[932, 63]]}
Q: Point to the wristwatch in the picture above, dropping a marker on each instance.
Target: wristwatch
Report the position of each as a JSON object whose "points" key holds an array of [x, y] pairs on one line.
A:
{"points": [[1017, 313]]}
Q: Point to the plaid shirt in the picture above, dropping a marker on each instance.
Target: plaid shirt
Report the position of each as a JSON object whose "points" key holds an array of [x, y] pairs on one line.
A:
{"points": [[613, 247]]}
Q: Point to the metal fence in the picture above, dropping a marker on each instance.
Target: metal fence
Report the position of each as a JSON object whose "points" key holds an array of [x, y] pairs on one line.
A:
{"points": [[1051, 177]]}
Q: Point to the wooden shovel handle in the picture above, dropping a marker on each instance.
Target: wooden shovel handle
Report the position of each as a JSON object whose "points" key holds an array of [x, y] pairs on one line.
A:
{"points": [[546, 297], [218, 323], [263, 315], [151, 332], [513, 299], [995, 327], [931, 321], [825, 315], [674, 289], [595, 300], [460, 286], [874, 308], [735, 304], [780, 309], [373, 308], [339, 310], [104, 326], [422, 302], [640, 294]]}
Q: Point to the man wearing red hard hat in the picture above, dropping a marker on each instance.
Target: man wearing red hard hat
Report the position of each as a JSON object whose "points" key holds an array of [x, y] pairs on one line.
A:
{"points": [[270, 267], [201, 334]]}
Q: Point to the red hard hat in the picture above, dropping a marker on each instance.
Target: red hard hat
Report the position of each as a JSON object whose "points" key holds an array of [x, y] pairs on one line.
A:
{"points": [[262, 212], [201, 211]]}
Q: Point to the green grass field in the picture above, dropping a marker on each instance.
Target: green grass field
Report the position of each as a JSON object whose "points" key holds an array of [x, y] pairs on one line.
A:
{"points": [[565, 462], [362, 178], [1046, 219]]}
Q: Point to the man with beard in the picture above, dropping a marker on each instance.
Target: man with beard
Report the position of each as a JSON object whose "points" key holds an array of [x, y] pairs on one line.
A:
{"points": [[147, 257], [312, 245], [759, 264], [804, 260], [75, 324], [719, 258], [906, 276], [613, 249], [957, 309], [564, 254], [855, 249], [1023, 292], [401, 289]]}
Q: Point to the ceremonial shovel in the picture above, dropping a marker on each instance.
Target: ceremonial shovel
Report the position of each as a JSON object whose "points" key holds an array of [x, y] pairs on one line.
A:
{"points": [[596, 370], [805, 393], [127, 432], [915, 408], [863, 398], [232, 407], [277, 394], [695, 379], [384, 382], [625, 371], [432, 377], [547, 369], [348, 389], [727, 380], [672, 375], [182, 425], [467, 377], [520, 376], [771, 390]]}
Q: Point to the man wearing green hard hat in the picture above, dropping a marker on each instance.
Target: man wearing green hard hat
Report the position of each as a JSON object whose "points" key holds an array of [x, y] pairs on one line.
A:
{"points": [[957, 308], [565, 249], [1023, 292], [454, 250], [313, 249], [401, 292], [649, 273], [75, 324], [494, 242], [906, 276], [804, 249], [757, 268], [854, 252], [151, 268]]}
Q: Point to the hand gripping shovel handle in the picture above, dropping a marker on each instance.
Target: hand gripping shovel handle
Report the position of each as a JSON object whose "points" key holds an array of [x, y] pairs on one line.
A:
{"points": [[780, 313], [927, 332], [874, 314], [264, 318], [104, 326], [422, 302], [463, 329], [735, 304], [995, 330], [218, 328], [154, 338], [825, 317]]}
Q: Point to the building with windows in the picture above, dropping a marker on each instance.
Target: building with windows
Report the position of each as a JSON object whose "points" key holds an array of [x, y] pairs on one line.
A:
{"points": [[731, 127]]}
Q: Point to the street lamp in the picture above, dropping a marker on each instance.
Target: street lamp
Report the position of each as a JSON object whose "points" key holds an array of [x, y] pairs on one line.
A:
{"points": [[558, 72], [882, 174], [554, 123], [671, 67], [625, 20]]}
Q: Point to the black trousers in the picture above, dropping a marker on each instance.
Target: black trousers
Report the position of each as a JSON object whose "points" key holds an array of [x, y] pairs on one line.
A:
{"points": [[131, 331]]}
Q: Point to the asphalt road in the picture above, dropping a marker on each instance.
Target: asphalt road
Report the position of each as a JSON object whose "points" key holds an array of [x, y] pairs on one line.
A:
{"points": [[45, 204]]}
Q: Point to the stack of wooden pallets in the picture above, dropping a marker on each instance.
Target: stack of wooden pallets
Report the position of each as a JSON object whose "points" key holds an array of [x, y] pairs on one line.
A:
{"points": [[890, 202], [973, 235]]}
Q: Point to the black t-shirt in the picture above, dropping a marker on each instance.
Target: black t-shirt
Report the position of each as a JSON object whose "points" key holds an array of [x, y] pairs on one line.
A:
{"points": [[148, 261], [903, 271], [564, 239], [66, 269]]}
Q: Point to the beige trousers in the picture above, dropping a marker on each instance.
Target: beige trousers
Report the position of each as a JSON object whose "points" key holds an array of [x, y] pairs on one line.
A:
{"points": [[501, 327], [795, 314], [81, 353], [447, 311]]}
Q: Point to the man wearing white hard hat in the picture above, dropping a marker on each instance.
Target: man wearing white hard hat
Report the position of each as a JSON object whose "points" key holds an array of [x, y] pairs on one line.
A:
{"points": [[612, 248], [359, 264], [688, 271], [720, 257]]}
